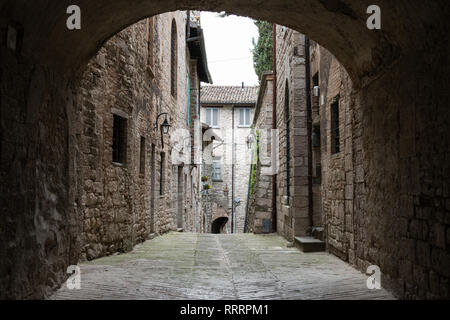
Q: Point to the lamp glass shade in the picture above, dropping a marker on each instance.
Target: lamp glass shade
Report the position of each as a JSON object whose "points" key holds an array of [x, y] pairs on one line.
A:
{"points": [[165, 126]]}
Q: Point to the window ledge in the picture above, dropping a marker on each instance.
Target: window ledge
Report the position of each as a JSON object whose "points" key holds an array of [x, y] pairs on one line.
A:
{"points": [[118, 164], [245, 127], [336, 155]]}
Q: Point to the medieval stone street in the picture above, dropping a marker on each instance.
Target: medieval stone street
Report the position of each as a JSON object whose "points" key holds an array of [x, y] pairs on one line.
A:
{"points": [[224, 150], [213, 266]]}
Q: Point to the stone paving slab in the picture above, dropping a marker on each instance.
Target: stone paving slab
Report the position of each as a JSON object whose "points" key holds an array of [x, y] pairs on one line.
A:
{"points": [[206, 266]]}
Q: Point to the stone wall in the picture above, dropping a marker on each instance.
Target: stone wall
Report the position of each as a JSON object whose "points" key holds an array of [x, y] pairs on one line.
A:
{"points": [[380, 206], [405, 168], [261, 200], [38, 224], [293, 210], [338, 169], [120, 205]]}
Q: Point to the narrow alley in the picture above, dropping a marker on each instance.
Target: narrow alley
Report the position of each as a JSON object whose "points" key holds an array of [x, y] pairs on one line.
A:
{"points": [[223, 149], [205, 266]]}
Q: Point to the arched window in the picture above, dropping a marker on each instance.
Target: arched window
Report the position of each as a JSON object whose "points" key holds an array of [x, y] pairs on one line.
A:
{"points": [[173, 60], [287, 120]]}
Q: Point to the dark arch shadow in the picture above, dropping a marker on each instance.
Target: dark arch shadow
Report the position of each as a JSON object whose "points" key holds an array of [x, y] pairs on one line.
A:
{"points": [[336, 25], [218, 225]]}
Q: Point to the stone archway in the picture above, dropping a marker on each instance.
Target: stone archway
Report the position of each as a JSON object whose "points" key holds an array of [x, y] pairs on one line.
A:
{"points": [[403, 186], [219, 220], [218, 224]]}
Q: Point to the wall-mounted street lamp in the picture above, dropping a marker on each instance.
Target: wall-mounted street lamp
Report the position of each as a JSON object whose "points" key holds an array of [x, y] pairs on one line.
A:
{"points": [[250, 140], [165, 126]]}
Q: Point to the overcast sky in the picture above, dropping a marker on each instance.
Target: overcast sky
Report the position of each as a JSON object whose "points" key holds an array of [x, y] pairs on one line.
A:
{"points": [[228, 43]]}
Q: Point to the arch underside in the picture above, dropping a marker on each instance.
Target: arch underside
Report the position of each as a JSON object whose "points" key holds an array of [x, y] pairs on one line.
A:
{"points": [[339, 26]]}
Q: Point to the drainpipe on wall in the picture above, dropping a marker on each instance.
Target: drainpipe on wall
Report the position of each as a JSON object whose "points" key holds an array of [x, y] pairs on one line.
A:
{"points": [[309, 128], [233, 214], [274, 126]]}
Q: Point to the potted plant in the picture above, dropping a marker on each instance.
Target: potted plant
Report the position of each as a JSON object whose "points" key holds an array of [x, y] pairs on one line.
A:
{"points": [[207, 186], [204, 178]]}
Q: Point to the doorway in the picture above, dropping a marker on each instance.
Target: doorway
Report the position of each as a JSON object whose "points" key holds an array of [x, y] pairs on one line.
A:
{"points": [[180, 198]]}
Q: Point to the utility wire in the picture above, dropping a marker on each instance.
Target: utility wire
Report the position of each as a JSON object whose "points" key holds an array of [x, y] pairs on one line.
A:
{"points": [[232, 59]]}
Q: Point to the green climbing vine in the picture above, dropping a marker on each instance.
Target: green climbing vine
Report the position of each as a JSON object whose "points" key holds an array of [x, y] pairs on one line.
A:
{"points": [[255, 164]]}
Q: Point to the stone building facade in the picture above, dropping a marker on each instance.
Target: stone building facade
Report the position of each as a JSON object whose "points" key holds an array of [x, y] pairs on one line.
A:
{"points": [[131, 184], [293, 203], [332, 174], [228, 111], [311, 177], [261, 204]]}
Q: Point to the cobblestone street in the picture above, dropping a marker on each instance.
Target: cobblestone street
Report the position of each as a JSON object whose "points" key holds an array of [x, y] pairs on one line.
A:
{"points": [[207, 266]]}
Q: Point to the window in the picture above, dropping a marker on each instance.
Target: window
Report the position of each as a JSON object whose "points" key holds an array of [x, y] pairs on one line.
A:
{"points": [[173, 60], [317, 155], [316, 136], [316, 80], [212, 117], [217, 169], [119, 139], [142, 157], [162, 172], [335, 135], [244, 117]]}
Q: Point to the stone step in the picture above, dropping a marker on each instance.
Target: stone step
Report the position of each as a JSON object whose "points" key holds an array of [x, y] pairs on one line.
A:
{"points": [[309, 244], [318, 233]]}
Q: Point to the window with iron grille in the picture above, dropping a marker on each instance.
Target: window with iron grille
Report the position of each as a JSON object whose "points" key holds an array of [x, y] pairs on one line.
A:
{"points": [[173, 60], [142, 157], [119, 140], [335, 134], [244, 117], [212, 117]]}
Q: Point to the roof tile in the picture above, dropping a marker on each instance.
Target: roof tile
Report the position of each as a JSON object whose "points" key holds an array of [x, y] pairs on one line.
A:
{"points": [[229, 94]]}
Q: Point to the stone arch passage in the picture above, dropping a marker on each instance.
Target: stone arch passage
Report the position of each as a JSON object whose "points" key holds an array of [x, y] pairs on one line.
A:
{"points": [[400, 74], [218, 224]]}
